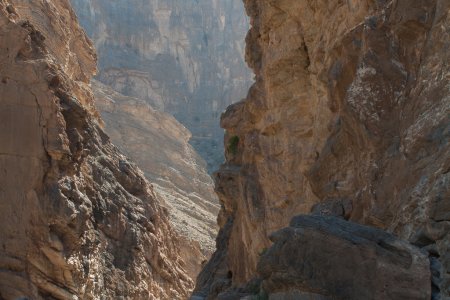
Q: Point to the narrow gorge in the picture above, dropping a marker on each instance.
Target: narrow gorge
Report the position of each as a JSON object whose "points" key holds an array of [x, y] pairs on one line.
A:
{"points": [[330, 179], [160, 63], [185, 58]]}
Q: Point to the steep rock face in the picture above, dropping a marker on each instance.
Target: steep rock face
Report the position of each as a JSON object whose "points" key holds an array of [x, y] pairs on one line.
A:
{"points": [[159, 145], [79, 220], [182, 57], [349, 115]]}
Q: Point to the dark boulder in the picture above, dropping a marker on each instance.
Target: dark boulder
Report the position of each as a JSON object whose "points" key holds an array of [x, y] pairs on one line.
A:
{"points": [[328, 257]]}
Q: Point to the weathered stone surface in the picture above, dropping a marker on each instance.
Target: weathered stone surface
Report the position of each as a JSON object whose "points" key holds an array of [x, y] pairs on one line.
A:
{"points": [[78, 219], [185, 58], [351, 101], [333, 207], [337, 259], [159, 145]]}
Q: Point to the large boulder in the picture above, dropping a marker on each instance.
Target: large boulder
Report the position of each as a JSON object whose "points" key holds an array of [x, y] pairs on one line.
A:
{"points": [[324, 257]]}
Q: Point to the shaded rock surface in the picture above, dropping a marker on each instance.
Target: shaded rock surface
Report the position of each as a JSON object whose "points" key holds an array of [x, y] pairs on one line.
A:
{"points": [[335, 259], [159, 145], [78, 219], [184, 57], [349, 116]]}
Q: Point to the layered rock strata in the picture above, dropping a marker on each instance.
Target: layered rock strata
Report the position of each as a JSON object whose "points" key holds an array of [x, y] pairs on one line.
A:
{"points": [[160, 146], [349, 116], [79, 220], [185, 58]]}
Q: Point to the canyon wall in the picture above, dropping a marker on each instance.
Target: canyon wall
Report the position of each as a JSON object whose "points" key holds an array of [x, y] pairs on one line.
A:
{"points": [[79, 220], [349, 117], [185, 58], [159, 145]]}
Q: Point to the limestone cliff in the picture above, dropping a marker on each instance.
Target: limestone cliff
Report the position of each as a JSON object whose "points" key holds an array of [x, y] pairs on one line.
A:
{"points": [[185, 58], [159, 145], [78, 219], [349, 116]]}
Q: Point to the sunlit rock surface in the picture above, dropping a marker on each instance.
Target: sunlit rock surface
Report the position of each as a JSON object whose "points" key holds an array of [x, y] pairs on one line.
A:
{"points": [[349, 116], [159, 145], [78, 219], [185, 58]]}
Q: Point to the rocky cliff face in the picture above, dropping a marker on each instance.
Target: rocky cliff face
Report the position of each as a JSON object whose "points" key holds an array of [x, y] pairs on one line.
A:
{"points": [[159, 145], [349, 116], [79, 220], [182, 57]]}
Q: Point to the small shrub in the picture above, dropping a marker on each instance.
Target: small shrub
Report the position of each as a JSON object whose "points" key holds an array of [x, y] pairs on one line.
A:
{"points": [[255, 288], [233, 143], [262, 251], [262, 295]]}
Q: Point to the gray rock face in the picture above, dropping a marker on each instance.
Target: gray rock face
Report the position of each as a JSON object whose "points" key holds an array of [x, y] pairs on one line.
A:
{"points": [[184, 57], [330, 258]]}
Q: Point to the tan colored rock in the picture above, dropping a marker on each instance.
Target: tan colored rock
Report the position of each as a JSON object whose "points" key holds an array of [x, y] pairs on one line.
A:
{"points": [[351, 102], [160, 146], [78, 219]]}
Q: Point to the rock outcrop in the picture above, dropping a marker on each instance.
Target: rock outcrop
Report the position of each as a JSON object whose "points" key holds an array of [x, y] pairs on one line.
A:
{"points": [[159, 145], [79, 220], [349, 116], [330, 258], [185, 58]]}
